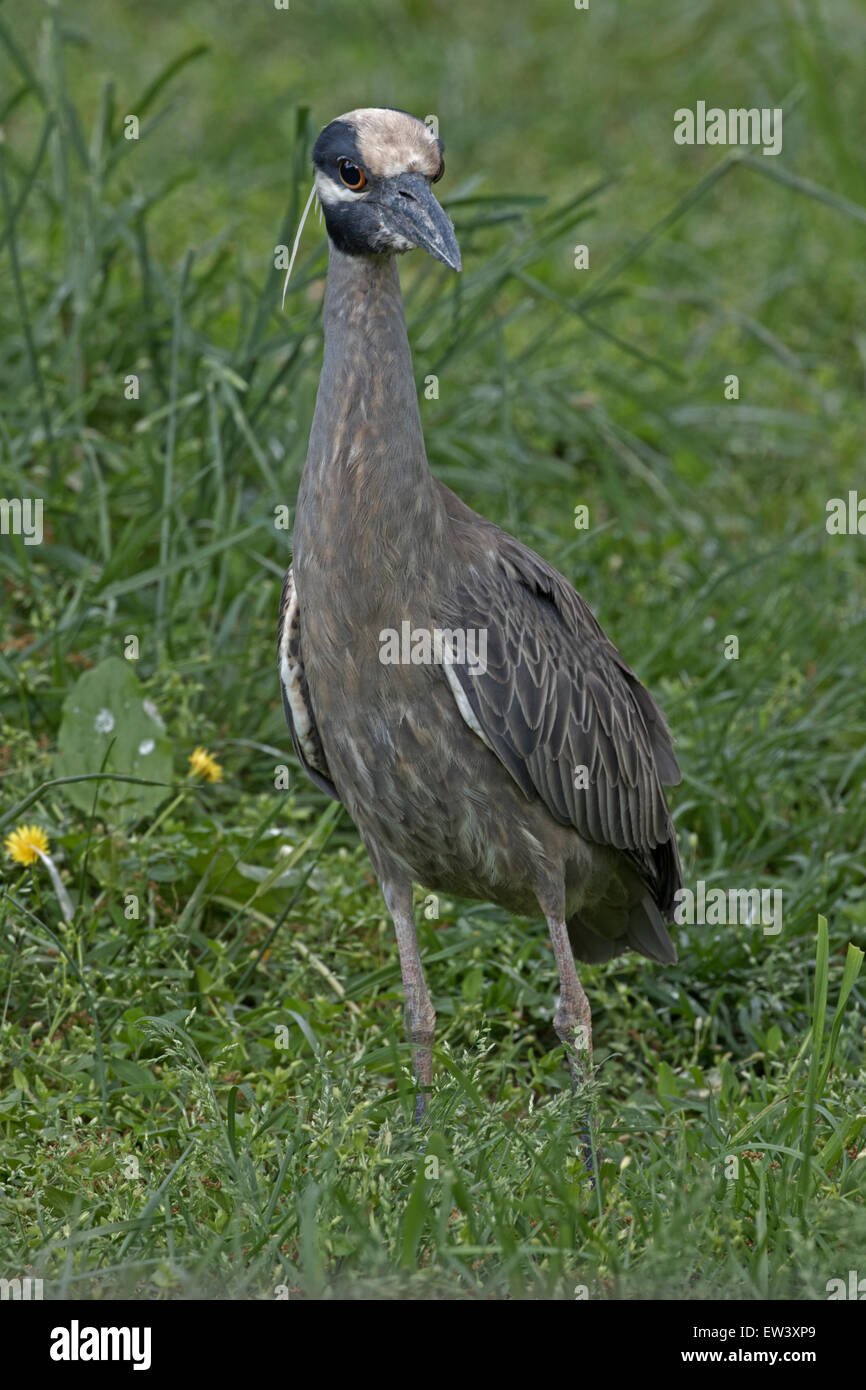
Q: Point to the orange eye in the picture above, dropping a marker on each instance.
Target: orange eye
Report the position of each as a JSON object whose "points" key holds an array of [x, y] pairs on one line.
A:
{"points": [[352, 176]]}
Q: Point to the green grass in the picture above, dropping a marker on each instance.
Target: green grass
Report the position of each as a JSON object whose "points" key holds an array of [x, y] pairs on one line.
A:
{"points": [[213, 1096]]}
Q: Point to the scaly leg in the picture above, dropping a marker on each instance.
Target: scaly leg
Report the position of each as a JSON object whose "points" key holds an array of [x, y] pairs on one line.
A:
{"points": [[420, 1016], [573, 1024]]}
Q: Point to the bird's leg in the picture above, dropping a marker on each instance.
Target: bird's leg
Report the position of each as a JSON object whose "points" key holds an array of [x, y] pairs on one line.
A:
{"points": [[573, 1024], [573, 1020], [420, 1015]]}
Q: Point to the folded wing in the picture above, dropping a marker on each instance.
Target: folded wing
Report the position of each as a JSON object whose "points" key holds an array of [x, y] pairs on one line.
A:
{"points": [[560, 708]]}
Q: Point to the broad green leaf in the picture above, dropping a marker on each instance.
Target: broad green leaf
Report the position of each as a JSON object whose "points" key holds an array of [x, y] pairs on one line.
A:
{"points": [[108, 728]]}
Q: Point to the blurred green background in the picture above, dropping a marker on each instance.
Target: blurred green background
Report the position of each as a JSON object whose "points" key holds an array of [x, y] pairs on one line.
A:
{"points": [[156, 1140]]}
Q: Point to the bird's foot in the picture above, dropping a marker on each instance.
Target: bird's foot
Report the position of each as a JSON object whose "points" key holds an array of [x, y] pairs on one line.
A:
{"points": [[580, 1066]]}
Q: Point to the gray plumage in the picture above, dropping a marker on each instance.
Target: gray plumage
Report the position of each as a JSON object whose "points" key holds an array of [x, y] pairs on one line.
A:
{"points": [[535, 781]]}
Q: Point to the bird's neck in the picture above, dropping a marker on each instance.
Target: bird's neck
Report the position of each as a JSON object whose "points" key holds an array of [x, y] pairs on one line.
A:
{"points": [[366, 468]]}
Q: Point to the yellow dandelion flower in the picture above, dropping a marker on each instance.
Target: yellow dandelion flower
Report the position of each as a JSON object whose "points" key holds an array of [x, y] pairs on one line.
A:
{"points": [[203, 764], [24, 844]]}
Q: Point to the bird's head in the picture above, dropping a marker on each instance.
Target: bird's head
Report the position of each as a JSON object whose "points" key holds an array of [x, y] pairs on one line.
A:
{"points": [[374, 171]]}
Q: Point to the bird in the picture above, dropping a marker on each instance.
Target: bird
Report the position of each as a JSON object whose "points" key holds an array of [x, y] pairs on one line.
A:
{"points": [[439, 678]]}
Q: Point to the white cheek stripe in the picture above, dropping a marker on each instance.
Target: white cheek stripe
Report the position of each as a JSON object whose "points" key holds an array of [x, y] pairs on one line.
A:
{"points": [[330, 192]]}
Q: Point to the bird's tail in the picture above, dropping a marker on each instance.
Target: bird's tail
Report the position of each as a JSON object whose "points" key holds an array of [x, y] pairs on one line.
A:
{"points": [[648, 934], [643, 930]]}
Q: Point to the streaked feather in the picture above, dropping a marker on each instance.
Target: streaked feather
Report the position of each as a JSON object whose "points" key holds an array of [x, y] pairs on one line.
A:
{"points": [[556, 696]]}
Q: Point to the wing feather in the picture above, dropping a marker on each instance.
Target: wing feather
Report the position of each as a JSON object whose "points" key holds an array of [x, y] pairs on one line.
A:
{"points": [[296, 694], [556, 695]]}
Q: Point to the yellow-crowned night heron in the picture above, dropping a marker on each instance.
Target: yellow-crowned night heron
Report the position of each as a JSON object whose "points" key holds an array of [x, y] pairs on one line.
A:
{"points": [[532, 779]]}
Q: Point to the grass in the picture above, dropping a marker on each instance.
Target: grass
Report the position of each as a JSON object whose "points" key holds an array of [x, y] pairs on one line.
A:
{"points": [[203, 1083]]}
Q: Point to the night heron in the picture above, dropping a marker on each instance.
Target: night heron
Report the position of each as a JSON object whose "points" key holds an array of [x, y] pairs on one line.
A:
{"points": [[439, 678]]}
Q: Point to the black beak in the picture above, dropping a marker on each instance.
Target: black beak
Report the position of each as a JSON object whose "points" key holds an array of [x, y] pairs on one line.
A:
{"points": [[413, 212]]}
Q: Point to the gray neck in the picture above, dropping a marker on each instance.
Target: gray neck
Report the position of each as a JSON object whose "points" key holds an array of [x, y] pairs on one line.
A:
{"points": [[366, 468]]}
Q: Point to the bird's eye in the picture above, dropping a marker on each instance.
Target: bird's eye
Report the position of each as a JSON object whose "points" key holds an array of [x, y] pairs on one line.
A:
{"points": [[439, 172], [352, 176]]}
